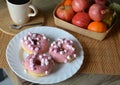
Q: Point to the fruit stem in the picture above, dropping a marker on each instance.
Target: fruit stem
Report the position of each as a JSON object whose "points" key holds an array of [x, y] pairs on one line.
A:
{"points": [[105, 11]]}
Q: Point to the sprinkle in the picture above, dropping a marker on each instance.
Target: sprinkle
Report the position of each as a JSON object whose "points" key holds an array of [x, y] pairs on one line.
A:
{"points": [[46, 72], [49, 58], [55, 51], [31, 65], [52, 44], [42, 62], [71, 41], [34, 35], [35, 53], [44, 37], [75, 55], [60, 41], [59, 44], [25, 38], [38, 43], [37, 38], [29, 38], [68, 57], [65, 51], [31, 48], [36, 49], [26, 42], [55, 46], [32, 42], [61, 52], [67, 45], [73, 49], [40, 56], [44, 54], [46, 62], [65, 41], [65, 61]]}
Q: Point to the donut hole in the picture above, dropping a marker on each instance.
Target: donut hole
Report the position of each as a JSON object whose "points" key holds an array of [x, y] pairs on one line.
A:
{"points": [[37, 62], [34, 41]]}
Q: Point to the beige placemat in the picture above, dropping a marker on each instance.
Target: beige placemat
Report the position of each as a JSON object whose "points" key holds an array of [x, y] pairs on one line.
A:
{"points": [[101, 57], [5, 21]]}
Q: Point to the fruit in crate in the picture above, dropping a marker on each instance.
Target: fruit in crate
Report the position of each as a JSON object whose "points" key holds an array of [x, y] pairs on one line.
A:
{"points": [[97, 12], [79, 5], [109, 18], [67, 2], [81, 19], [84, 12], [97, 26], [65, 12]]}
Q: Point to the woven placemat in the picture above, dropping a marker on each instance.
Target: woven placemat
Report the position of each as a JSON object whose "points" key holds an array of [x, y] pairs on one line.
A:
{"points": [[101, 57], [6, 21]]}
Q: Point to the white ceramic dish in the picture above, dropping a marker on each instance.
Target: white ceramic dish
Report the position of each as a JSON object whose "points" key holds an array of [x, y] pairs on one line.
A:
{"points": [[15, 55]]}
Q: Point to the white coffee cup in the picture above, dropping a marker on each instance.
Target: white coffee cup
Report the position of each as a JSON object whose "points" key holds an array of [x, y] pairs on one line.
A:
{"points": [[20, 10]]}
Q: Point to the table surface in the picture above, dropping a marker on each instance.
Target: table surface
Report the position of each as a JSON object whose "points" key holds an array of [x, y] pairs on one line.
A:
{"points": [[101, 57]]}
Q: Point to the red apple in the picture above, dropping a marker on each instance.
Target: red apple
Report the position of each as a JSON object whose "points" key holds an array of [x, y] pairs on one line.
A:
{"points": [[97, 12], [79, 5], [81, 19], [65, 13]]}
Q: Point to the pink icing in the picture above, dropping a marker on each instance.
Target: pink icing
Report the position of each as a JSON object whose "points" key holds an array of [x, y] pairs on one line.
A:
{"points": [[35, 42], [39, 63], [62, 50]]}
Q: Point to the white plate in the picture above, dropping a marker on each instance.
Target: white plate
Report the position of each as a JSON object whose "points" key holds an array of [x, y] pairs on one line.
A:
{"points": [[60, 73]]}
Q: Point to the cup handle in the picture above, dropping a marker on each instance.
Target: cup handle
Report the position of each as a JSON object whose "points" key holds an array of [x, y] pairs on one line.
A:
{"points": [[35, 11]]}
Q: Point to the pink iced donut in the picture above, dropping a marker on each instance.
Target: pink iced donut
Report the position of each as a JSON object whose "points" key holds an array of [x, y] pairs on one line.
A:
{"points": [[34, 42], [63, 50], [38, 64]]}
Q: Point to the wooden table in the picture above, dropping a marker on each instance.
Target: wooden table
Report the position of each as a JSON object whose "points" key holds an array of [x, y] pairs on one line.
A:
{"points": [[101, 57]]}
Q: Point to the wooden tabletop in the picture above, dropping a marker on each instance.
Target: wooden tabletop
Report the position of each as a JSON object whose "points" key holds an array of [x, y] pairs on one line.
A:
{"points": [[101, 57]]}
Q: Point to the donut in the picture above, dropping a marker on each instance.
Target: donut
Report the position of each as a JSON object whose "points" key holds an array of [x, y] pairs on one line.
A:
{"points": [[38, 64], [34, 42], [63, 50]]}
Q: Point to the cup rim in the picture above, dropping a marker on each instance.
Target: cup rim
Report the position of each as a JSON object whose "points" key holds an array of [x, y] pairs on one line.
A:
{"points": [[19, 4]]}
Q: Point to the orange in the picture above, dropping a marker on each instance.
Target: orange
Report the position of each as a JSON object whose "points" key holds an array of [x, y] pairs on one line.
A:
{"points": [[97, 26], [67, 2]]}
